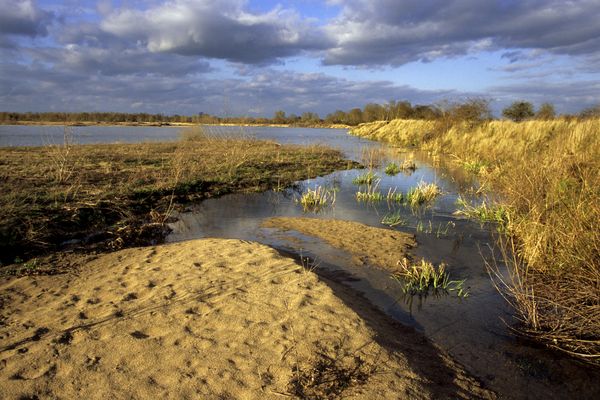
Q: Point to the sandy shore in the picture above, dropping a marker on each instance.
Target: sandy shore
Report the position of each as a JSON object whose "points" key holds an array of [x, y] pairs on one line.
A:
{"points": [[377, 247], [208, 319]]}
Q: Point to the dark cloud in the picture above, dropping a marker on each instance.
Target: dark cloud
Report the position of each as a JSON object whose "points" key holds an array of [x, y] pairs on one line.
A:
{"points": [[375, 32], [118, 61], [23, 17], [217, 29], [568, 97], [36, 88]]}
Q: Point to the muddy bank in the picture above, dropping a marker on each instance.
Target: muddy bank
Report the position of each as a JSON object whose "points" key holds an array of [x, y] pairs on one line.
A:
{"points": [[212, 318]]}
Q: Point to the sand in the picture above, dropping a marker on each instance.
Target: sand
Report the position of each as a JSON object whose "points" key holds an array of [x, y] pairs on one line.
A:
{"points": [[377, 247], [206, 319]]}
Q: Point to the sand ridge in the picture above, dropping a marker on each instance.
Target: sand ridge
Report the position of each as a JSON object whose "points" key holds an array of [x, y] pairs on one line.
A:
{"points": [[205, 319], [378, 247]]}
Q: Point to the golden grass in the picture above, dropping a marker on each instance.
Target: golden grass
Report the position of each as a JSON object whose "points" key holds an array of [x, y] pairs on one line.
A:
{"points": [[547, 174]]}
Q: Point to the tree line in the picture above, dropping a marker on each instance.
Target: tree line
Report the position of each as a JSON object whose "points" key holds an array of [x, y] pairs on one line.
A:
{"points": [[475, 109]]}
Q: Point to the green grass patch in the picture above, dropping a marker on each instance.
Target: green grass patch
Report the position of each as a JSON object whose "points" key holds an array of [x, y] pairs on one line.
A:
{"points": [[423, 278], [314, 200], [368, 178], [498, 214], [393, 219], [423, 193]]}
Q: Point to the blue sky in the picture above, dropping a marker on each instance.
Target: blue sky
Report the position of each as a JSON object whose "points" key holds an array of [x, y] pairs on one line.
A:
{"points": [[237, 57]]}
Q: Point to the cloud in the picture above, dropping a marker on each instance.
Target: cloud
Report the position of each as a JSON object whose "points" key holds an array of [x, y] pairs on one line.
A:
{"points": [[38, 88], [125, 61], [394, 32], [24, 17], [568, 97], [217, 29]]}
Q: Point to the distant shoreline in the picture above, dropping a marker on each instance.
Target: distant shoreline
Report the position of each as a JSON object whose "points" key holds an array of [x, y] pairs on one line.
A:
{"points": [[165, 124]]}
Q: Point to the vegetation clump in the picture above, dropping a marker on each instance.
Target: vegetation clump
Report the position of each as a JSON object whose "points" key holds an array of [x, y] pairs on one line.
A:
{"points": [[406, 166], [498, 213], [393, 219], [368, 178], [316, 199], [423, 277], [423, 193]]}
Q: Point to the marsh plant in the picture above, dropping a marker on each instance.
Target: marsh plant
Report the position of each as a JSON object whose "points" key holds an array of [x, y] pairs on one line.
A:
{"points": [[476, 167], [440, 230], [393, 196], [498, 214], [314, 200], [393, 219], [392, 169], [368, 178], [423, 193], [406, 166], [371, 194], [423, 278]]}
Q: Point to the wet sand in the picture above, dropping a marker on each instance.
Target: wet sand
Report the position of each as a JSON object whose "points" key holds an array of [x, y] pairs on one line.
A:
{"points": [[377, 247], [210, 319]]}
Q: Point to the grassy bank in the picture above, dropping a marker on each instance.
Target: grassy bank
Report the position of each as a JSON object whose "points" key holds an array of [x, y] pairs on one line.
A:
{"points": [[117, 195], [547, 175]]}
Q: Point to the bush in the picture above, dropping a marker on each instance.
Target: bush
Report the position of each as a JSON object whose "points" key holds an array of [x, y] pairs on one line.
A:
{"points": [[519, 111]]}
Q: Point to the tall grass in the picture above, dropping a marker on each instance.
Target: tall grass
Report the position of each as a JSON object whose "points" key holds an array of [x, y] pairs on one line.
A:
{"points": [[547, 174]]}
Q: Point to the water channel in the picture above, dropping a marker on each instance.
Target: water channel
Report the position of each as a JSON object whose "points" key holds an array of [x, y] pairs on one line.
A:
{"points": [[474, 330]]}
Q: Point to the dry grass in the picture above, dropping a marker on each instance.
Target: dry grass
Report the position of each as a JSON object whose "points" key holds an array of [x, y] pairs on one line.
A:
{"points": [[121, 194], [547, 174]]}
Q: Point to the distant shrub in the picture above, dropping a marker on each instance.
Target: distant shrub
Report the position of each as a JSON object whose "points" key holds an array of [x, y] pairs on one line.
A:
{"points": [[519, 111]]}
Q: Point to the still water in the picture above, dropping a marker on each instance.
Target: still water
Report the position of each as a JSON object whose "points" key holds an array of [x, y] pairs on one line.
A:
{"points": [[473, 330]]}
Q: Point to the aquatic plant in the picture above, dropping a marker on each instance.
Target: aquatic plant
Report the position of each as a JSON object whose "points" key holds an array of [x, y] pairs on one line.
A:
{"points": [[475, 167], [365, 179], [423, 277], [392, 169], [406, 166], [370, 195], [393, 196], [393, 219], [316, 199], [423, 193], [498, 214]]}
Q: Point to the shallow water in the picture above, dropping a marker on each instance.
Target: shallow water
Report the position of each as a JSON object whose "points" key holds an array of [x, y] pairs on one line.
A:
{"points": [[472, 330]]}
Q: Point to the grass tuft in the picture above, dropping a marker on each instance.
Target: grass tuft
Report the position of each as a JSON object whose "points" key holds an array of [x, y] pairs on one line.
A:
{"points": [[314, 200], [423, 193], [423, 277], [368, 178], [498, 214], [393, 219]]}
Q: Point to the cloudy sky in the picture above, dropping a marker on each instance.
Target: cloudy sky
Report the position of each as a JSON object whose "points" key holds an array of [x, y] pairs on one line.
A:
{"points": [[253, 57]]}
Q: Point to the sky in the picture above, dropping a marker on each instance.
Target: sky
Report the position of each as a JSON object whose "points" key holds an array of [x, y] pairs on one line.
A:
{"points": [[252, 58]]}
